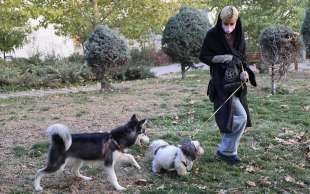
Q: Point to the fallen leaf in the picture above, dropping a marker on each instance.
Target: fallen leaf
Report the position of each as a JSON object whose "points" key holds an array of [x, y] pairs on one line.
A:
{"points": [[307, 155], [221, 192], [300, 136], [161, 187], [289, 179], [253, 145], [251, 183], [192, 102], [141, 182], [264, 181], [191, 113], [302, 184], [201, 187], [252, 168], [301, 165], [286, 142], [306, 108], [284, 106]]}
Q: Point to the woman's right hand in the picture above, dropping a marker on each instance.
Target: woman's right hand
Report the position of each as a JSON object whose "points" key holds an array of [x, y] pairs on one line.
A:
{"points": [[244, 76]]}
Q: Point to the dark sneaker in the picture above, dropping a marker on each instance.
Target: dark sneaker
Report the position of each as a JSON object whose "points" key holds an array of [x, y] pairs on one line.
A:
{"points": [[234, 159]]}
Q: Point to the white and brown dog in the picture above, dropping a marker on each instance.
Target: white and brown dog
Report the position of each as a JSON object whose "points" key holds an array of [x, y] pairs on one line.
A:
{"points": [[175, 158]]}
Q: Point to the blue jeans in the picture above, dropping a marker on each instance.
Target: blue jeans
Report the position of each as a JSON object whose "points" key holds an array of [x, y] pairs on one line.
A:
{"points": [[230, 141]]}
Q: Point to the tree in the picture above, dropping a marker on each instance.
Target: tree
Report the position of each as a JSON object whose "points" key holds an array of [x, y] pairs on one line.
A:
{"points": [[183, 36], [78, 18], [14, 16], [305, 31], [280, 47], [106, 51], [259, 14]]}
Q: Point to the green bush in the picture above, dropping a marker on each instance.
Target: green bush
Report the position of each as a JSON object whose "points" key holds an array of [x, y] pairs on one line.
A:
{"points": [[141, 57], [43, 72], [134, 73]]}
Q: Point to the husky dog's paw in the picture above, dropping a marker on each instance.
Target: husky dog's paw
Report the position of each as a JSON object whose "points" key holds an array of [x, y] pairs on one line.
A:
{"points": [[120, 188], [39, 188], [86, 178], [138, 166]]}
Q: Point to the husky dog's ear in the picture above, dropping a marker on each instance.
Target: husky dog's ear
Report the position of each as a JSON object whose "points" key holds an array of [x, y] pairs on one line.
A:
{"points": [[142, 123], [133, 122], [134, 118]]}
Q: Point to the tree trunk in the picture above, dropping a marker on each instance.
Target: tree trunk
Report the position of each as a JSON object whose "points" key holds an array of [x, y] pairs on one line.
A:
{"points": [[273, 84], [96, 13], [296, 66], [105, 85], [4, 56], [183, 66]]}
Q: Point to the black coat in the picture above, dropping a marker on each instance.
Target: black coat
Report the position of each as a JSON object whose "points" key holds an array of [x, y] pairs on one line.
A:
{"points": [[216, 44]]}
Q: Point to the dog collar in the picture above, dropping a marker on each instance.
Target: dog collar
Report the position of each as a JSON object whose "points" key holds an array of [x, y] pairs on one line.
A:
{"points": [[117, 144]]}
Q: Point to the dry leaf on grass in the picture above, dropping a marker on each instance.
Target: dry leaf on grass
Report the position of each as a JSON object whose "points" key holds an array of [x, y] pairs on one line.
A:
{"points": [[201, 187], [251, 169], [286, 142], [302, 184], [254, 145], [289, 179], [221, 192], [284, 106], [160, 187], [306, 108], [251, 183], [307, 153], [142, 182], [264, 181]]}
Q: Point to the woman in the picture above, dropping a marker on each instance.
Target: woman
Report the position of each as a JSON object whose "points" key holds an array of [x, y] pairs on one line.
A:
{"points": [[224, 48]]}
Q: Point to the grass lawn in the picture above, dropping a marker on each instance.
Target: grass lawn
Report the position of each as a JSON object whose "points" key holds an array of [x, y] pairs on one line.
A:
{"points": [[275, 152]]}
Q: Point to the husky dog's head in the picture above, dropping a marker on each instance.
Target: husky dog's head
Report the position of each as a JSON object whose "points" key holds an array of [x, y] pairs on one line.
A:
{"points": [[192, 149], [131, 133]]}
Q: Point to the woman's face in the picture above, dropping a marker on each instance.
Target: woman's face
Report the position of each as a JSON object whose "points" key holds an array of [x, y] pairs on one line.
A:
{"points": [[229, 26]]}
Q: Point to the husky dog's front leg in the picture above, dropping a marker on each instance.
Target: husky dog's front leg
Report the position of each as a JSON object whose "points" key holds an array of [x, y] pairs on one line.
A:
{"points": [[112, 177], [128, 158]]}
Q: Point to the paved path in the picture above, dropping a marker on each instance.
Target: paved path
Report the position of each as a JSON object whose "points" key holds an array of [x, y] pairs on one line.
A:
{"points": [[173, 68]]}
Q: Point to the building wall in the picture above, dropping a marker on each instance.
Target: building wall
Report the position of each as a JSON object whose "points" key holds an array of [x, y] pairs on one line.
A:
{"points": [[46, 42]]}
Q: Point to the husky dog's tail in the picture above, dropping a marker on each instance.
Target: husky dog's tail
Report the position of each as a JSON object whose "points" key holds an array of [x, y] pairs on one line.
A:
{"points": [[156, 145], [59, 135]]}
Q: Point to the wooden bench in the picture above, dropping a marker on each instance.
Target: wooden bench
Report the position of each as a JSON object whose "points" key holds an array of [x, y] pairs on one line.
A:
{"points": [[253, 57]]}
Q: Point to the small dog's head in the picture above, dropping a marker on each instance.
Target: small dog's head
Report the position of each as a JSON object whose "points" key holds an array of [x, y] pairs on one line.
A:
{"points": [[192, 149]]}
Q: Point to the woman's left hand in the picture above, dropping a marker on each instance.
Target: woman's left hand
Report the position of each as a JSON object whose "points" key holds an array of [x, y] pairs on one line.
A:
{"points": [[244, 76]]}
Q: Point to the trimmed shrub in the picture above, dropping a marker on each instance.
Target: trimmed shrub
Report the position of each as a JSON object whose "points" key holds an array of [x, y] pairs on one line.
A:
{"points": [[305, 32], [183, 36], [280, 47], [106, 52]]}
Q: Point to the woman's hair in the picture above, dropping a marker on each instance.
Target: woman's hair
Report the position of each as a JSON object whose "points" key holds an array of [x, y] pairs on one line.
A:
{"points": [[228, 13]]}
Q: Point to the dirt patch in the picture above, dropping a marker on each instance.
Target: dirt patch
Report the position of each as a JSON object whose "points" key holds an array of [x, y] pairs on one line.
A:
{"points": [[23, 121]]}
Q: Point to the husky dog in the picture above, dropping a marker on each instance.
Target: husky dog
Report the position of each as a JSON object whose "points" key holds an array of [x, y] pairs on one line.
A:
{"points": [[175, 158], [107, 147]]}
